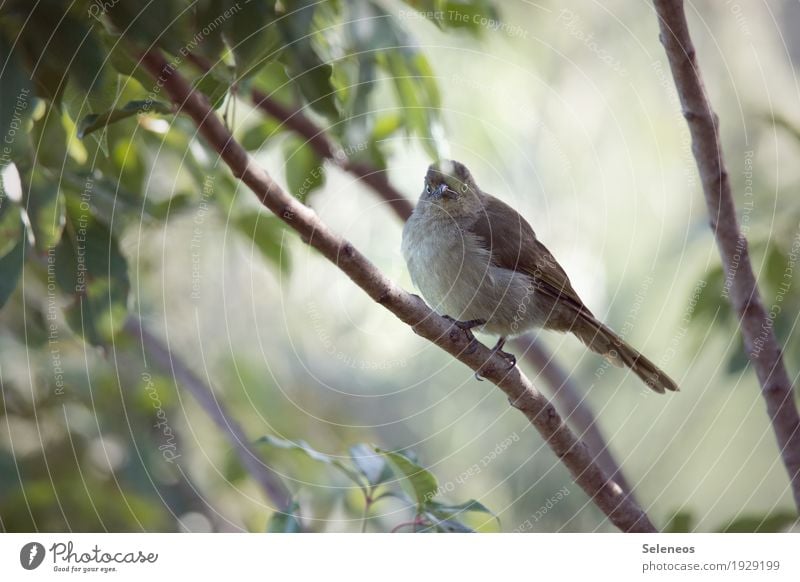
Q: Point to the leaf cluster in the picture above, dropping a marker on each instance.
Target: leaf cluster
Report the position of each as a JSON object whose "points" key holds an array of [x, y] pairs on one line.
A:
{"points": [[380, 474]]}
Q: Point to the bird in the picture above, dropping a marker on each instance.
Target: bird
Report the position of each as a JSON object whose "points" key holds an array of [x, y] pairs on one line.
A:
{"points": [[478, 262]]}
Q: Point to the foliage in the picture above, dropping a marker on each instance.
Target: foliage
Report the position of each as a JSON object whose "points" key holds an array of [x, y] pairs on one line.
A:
{"points": [[777, 521], [376, 472], [82, 116], [87, 136]]}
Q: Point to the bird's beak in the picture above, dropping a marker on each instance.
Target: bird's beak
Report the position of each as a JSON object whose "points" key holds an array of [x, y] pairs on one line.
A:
{"points": [[440, 191]]}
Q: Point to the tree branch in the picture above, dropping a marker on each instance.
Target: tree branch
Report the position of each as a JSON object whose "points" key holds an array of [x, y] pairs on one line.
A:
{"points": [[566, 395], [573, 406], [272, 486], [605, 493], [326, 149], [760, 342]]}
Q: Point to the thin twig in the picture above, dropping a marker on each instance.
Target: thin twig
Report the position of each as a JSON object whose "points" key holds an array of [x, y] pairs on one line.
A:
{"points": [[272, 486], [604, 492], [567, 397], [365, 514], [760, 342]]}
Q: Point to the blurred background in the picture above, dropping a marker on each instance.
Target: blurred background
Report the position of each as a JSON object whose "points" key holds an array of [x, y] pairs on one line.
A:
{"points": [[566, 111]]}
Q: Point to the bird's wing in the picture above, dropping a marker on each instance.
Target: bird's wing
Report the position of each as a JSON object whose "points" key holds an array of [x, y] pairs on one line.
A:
{"points": [[514, 246]]}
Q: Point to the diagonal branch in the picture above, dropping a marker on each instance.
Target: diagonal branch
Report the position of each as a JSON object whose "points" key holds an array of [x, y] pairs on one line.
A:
{"points": [[321, 144], [568, 398], [759, 338], [604, 492], [272, 486], [573, 406], [325, 148]]}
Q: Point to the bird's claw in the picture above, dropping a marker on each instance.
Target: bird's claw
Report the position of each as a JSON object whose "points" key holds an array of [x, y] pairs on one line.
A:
{"points": [[466, 327], [510, 358]]}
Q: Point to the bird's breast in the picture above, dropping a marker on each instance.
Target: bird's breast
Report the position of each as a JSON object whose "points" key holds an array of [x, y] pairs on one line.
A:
{"points": [[447, 264], [454, 272]]}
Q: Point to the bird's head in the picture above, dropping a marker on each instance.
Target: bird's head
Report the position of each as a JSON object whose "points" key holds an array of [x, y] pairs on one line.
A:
{"points": [[450, 186]]}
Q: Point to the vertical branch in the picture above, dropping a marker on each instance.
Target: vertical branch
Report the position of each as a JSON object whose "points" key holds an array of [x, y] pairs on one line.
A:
{"points": [[760, 342], [272, 486]]}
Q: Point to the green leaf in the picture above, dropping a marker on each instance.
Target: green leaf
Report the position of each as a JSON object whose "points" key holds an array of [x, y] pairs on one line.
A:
{"points": [[257, 136], [214, 88], [771, 523], [91, 268], [370, 464], [470, 16], [209, 19], [127, 162], [99, 311], [50, 140], [386, 125], [383, 40], [418, 482], [95, 121], [117, 56], [79, 105], [16, 92], [11, 230], [78, 49], [45, 207], [162, 23], [447, 511], [267, 233], [106, 199], [313, 77], [366, 32], [305, 171], [61, 45], [417, 93], [308, 70], [177, 204], [275, 83], [10, 270], [680, 522], [448, 517], [252, 34], [11, 224], [311, 453], [285, 522], [738, 360], [103, 96], [446, 525]]}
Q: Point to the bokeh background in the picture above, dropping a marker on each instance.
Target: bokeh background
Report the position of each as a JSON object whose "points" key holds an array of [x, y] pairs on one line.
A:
{"points": [[567, 112]]}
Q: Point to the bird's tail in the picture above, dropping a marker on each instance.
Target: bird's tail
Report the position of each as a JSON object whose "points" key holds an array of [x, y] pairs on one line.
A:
{"points": [[602, 340]]}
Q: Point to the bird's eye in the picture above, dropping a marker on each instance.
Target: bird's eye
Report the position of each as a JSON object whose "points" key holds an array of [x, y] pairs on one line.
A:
{"points": [[463, 187], [427, 188]]}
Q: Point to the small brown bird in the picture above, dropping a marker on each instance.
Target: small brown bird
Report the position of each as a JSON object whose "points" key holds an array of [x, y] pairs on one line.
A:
{"points": [[477, 261]]}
